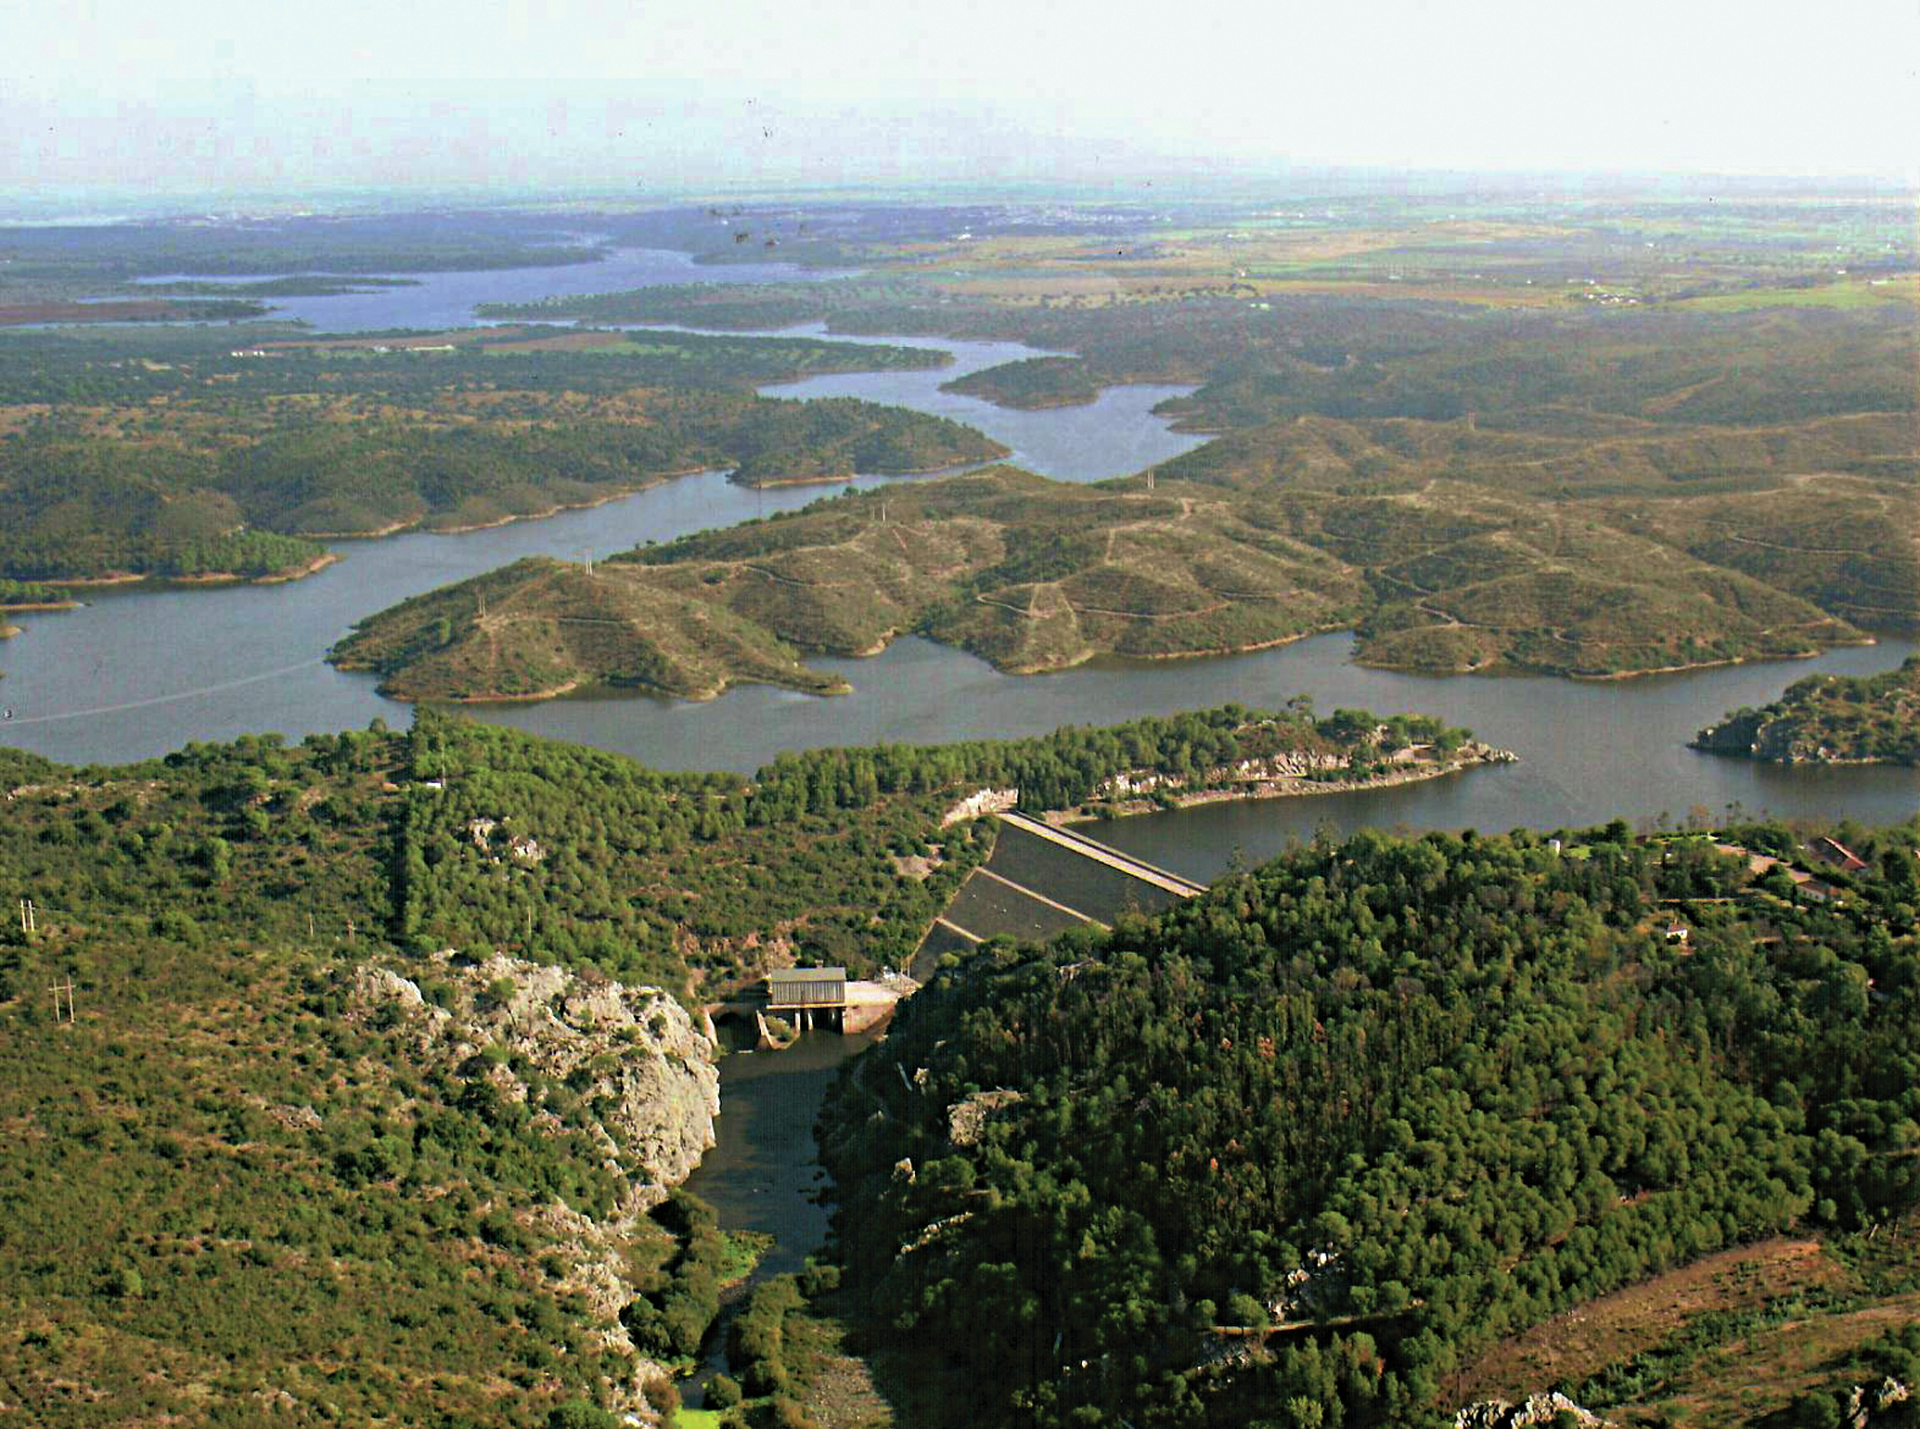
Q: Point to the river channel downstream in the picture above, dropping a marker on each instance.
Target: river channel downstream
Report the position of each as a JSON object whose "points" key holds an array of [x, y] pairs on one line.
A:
{"points": [[142, 671]]}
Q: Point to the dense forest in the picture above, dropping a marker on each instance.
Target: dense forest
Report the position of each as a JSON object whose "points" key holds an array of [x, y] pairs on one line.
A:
{"points": [[1292, 1152], [553, 851], [295, 1076], [234, 1197], [226, 462], [1829, 719], [15, 595]]}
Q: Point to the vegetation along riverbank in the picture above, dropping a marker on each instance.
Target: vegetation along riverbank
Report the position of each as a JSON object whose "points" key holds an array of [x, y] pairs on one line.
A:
{"points": [[432, 997]]}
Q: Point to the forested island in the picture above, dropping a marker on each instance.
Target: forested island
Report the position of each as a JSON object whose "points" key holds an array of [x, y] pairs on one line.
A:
{"points": [[1829, 719], [32, 595], [196, 459]]}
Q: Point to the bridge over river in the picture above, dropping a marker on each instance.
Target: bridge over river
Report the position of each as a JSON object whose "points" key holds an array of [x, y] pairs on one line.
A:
{"points": [[1043, 880]]}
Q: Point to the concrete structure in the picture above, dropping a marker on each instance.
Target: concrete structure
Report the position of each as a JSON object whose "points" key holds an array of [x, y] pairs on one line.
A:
{"points": [[823, 997], [804, 993], [1100, 853]]}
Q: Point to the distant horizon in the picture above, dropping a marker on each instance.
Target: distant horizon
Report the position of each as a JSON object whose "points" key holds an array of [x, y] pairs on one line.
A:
{"points": [[51, 205], [211, 98]]}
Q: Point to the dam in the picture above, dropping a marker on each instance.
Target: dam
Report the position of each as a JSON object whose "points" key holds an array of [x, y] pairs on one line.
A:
{"points": [[1042, 880]]}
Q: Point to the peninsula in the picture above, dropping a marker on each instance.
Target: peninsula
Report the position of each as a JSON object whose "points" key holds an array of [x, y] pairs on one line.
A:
{"points": [[1828, 719], [197, 459], [1034, 575]]}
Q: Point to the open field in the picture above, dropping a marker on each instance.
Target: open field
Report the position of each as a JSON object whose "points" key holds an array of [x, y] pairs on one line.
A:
{"points": [[1734, 1338], [1844, 296]]}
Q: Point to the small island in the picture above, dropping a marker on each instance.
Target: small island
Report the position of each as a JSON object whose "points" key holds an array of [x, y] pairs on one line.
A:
{"points": [[1828, 719], [1031, 384]]}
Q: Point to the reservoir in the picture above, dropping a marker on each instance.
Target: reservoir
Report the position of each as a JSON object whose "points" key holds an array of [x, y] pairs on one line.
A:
{"points": [[143, 671]]}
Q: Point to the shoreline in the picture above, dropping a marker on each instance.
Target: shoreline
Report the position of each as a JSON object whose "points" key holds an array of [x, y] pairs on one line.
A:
{"points": [[317, 564], [33, 606], [1288, 787], [964, 464], [658, 479], [422, 523], [1216, 653], [578, 683], [1498, 669], [1800, 763], [1813, 654]]}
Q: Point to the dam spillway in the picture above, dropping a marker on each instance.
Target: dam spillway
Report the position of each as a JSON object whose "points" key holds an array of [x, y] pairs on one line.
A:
{"points": [[1042, 880]]}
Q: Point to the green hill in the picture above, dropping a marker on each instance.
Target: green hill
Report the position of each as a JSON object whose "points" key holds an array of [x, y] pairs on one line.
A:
{"points": [[1030, 574], [375, 1060], [220, 461], [1297, 1151]]}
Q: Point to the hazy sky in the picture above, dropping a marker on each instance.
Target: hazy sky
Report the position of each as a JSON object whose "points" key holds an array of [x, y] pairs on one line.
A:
{"points": [[244, 95]]}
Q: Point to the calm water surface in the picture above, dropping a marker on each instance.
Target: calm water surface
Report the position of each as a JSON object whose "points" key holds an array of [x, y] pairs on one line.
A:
{"points": [[761, 1176], [447, 300]]}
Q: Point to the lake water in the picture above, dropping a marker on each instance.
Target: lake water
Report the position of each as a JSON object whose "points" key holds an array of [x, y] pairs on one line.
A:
{"points": [[446, 300], [143, 671]]}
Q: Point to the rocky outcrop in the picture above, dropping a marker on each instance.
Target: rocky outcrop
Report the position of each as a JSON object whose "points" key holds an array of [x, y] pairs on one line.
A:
{"points": [[982, 801], [967, 1118], [1537, 1409], [632, 1053]]}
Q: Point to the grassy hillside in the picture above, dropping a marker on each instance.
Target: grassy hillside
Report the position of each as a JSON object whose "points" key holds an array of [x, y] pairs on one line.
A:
{"points": [[1829, 719], [1030, 574]]}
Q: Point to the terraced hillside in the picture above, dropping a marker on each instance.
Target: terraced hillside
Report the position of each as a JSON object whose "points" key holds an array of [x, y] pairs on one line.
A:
{"points": [[1029, 574]]}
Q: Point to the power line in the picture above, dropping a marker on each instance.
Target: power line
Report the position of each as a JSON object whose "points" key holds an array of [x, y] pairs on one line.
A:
{"points": [[169, 699]]}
